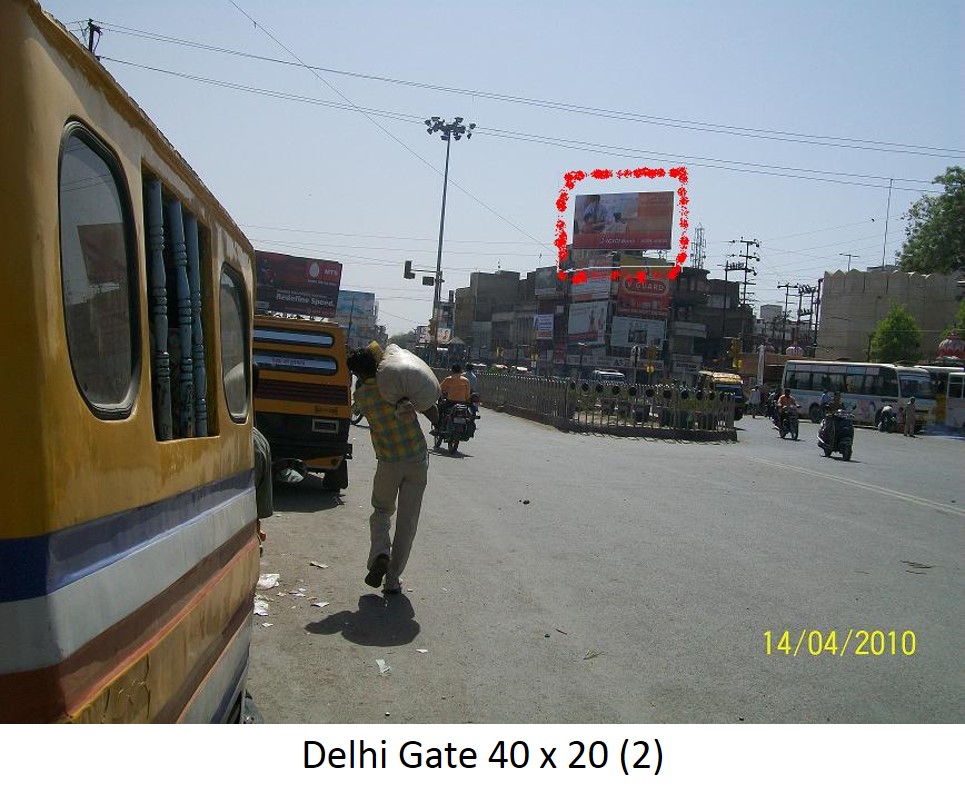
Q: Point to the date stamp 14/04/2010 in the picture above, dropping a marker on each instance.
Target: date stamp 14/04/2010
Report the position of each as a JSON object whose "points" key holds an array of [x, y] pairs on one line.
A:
{"points": [[839, 642]]}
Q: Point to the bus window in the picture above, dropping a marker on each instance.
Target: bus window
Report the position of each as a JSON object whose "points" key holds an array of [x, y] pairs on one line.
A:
{"points": [[889, 382], [916, 385], [98, 274], [234, 343]]}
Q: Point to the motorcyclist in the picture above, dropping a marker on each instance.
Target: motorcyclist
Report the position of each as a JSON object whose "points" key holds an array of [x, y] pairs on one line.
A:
{"points": [[455, 387], [785, 400], [785, 403], [473, 389]]}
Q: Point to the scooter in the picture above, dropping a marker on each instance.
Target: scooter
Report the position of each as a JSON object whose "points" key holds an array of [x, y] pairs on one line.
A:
{"points": [[457, 423], [888, 420], [786, 420], [836, 434]]}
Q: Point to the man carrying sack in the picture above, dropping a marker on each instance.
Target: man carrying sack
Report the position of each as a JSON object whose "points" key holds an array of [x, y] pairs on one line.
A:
{"points": [[401, 450]]}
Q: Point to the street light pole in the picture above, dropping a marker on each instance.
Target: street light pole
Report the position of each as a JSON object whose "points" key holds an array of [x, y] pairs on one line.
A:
{"points": [[448, 132]]}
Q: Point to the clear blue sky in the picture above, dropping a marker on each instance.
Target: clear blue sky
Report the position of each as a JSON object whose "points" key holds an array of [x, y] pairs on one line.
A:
{"points": [[304, 177]]}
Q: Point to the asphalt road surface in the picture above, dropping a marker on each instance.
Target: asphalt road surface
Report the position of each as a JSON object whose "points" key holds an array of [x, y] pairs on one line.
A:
{"points": [[562, 578]]}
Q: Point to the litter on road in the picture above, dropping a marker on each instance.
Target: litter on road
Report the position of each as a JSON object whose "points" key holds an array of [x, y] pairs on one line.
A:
{"points": [[384, 667], [268, 580], [320, 604], [318, 564]]}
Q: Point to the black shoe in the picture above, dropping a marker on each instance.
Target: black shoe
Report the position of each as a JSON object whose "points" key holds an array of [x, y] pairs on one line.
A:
{"points": [[379, 566]]}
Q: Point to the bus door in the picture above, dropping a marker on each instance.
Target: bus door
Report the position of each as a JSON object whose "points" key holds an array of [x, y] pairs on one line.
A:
{"points": [[955, 401]]}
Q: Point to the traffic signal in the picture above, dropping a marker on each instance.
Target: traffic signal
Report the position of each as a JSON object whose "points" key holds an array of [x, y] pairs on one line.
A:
{"points": [[735, 351], [409, 274], [651, 353]]}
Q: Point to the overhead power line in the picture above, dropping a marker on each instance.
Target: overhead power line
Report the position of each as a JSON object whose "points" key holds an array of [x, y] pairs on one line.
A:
{"points": [[824, 140], [584, 146]]}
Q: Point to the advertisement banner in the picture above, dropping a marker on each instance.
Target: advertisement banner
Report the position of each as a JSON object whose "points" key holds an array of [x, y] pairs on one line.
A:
{"points": [[544, 326], [303, 286], [594, 287], [546, 284], [628, 332], [587, 323], [650, 296], [623, 221]]}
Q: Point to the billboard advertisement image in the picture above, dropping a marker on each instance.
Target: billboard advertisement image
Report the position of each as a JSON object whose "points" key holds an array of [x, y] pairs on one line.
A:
{"points": [[629, 332], [587, 323], [544, 326], [650, 296], [623, 221], [546, 284], [303, 286]]}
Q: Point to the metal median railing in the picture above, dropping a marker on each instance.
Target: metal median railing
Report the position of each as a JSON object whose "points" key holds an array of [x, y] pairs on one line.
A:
{"points": [[662, 411]]}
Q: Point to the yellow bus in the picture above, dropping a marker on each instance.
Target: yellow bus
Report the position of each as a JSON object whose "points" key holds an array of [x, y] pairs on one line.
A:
{"points": [[128, 547], [303, 400], [724, 383]]}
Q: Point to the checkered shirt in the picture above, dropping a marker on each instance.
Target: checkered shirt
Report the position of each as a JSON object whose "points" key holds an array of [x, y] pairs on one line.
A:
{"points": [[393, 439]]}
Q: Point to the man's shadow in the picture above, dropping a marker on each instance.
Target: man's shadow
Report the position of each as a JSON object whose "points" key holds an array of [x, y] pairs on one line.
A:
{"points": [[379, 621]]}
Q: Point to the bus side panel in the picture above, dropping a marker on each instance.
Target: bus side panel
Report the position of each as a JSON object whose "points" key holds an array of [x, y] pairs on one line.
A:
{"points": [[114, 604]]}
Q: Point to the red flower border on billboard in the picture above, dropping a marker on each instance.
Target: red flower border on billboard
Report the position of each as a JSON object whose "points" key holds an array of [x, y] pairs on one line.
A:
{"points": [[572, 178]]}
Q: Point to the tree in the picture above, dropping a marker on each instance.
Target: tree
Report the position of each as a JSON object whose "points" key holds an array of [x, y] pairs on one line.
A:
{"points": [[959, 325], [405, 340], [936, 229], [897, 337]]}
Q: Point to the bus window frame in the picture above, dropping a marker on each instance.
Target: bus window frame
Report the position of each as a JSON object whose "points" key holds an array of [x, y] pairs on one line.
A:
{"points": [[238, 283], [75, 128]]}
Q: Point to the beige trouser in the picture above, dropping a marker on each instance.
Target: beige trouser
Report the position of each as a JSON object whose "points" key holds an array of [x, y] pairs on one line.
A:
{"points": [[405, 481]]}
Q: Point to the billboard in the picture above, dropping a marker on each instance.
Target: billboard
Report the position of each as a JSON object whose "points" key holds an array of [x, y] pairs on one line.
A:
{"points": [[304, 286], [587, 323], [547, 284], [623, 221], [629, 332], [595, 286], [544, 326], [652, 295]]}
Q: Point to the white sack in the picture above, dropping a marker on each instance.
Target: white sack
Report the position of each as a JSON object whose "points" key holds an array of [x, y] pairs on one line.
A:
{"points": [[402, 374]]}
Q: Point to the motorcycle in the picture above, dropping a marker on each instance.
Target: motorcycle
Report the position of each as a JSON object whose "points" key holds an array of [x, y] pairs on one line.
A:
{"points": [[836, 434], [888, 420], [457, 423], [786, 420]]}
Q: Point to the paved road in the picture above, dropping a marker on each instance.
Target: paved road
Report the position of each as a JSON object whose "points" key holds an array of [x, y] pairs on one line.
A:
{"points": [[635, 586]]}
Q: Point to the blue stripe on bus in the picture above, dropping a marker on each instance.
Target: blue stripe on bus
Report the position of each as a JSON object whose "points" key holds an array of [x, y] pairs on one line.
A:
{"points": [[31, 567]]}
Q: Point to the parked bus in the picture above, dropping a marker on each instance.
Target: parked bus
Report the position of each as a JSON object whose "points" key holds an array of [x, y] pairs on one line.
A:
{"points": [[864, 387], [725, 383], [955, 401], [303, 402], [128, 546], [939, 376]]}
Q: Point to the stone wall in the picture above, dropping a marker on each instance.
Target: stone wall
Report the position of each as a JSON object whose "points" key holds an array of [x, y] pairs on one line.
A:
{"points": [[853, 302]]}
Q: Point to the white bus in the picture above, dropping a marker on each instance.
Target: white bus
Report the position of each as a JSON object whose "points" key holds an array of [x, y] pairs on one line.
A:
{"points": [[939, 377], [864, 387], [955, 401]]}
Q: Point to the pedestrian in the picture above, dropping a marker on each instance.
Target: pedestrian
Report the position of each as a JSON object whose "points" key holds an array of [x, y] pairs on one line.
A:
{"points": [[400, 478], [755, 401], [910, 418]]}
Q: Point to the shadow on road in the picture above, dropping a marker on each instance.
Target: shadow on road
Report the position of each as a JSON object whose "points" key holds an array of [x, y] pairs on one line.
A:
{"points": [[307, 496], [388, 621]]}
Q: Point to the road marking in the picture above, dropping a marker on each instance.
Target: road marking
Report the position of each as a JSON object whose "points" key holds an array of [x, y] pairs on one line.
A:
{"points": [[881, 490]]}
